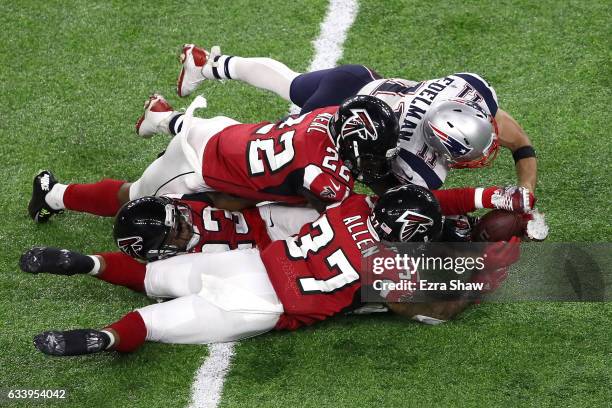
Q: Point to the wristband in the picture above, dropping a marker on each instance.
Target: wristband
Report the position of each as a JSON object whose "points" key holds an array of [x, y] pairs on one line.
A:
{"points": [[523, 153]]}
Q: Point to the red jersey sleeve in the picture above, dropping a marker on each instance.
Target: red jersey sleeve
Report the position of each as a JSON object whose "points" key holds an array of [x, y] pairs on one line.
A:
{"points": [[325, 186]]}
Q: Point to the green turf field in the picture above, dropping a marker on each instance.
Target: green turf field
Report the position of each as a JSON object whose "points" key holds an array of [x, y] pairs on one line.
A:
{"points": [[73, 78]]}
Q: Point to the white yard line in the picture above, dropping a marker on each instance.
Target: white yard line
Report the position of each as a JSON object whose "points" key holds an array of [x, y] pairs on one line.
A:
{"points": [[328, 46], [207, 387], [208, 384]]}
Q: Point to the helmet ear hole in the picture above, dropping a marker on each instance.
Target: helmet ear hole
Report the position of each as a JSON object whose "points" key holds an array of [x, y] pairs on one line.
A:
{"points": [[450, 124]]}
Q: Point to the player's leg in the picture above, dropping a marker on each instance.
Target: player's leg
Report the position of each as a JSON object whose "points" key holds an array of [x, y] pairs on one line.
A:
{"points": [[125, 335], [329, 87], [235, 300], [309, 91], [199, 65], [178, 169], [50, 197], [102, 198], [113, 267]]}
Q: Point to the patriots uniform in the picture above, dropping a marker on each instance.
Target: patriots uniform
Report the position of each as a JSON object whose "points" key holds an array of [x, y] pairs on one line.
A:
{"points": [[278, 161], [417, 163]]}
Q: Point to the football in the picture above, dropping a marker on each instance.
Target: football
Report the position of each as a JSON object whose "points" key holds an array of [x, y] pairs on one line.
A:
{"points": [[499, 225]]}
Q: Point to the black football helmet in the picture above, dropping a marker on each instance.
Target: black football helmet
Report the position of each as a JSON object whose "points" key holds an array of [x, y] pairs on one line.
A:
{"points": [[407, 213], [366, 131], [145, 228]]}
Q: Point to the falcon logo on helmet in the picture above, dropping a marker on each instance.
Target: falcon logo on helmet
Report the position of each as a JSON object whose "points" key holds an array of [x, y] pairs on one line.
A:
{"points": [[455, 147], [413, 223], [361, 124], [130, 246]]}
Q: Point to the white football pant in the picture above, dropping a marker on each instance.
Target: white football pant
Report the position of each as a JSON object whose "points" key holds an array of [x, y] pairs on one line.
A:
{"points": [[179, 169], [220, 297]]}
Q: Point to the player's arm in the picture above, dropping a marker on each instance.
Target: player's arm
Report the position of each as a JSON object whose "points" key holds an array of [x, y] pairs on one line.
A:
{"points": [[512, 136], [457, 201], [322, 189], [231, 203]]}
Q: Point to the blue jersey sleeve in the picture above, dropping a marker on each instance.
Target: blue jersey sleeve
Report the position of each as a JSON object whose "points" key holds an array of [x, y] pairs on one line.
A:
{"points": [[483, 88]]}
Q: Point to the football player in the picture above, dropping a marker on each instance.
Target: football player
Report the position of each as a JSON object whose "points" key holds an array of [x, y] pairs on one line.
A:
{"points": [[448, 122], [153, 228], [291, 283], [310, 158]]}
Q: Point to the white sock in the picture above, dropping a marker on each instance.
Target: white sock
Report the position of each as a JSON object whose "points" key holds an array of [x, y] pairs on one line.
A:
{"points": [[55, 197], [478, 197], [263, 73], [96, 268], [112, 338]]}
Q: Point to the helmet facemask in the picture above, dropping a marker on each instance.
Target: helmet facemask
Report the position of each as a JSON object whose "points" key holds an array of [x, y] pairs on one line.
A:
{"points": [[179, 223], [368, 168]]}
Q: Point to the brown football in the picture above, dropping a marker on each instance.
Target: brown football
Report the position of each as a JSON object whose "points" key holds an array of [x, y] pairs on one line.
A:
{"points": [[499, 225]]}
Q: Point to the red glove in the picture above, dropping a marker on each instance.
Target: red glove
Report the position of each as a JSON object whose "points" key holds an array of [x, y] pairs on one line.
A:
{"points": [[498, 257], [502, 254]]}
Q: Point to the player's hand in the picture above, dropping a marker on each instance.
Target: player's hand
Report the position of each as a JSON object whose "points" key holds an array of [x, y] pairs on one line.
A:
{"points": [[502, 254], [537, 228], [491, 280], [513, 198]]}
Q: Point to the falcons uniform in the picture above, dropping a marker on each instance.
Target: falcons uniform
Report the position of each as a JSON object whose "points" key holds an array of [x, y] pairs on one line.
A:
{"points": [[220, 230], [231, 295], [417, 163], [318, 272], [277, 161]]}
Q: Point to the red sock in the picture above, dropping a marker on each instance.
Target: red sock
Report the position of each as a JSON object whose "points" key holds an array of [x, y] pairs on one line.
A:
{"points": [[131, 332], [123, 270], [98, 198]]}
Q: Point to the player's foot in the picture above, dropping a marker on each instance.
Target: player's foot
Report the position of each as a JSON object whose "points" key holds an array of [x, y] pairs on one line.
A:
{"points": [[71, 342], [517, 199], [38, 208], [156, 117], [55, 261], [194, 60]]}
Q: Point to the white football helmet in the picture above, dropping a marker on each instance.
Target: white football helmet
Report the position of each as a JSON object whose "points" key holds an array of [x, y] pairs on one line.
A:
{"points": [[462, 131]]}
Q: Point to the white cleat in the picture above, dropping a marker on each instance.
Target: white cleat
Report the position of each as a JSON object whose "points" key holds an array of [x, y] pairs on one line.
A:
{"points": [[156, 117], [195, 61]]}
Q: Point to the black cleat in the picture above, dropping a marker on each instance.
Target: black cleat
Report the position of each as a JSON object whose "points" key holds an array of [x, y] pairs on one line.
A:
{"points": [[71, 342], [56, 261], [38, 208]]}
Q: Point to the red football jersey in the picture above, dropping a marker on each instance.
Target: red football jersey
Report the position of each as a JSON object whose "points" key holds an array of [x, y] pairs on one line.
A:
{"points": [[316, 273], [277, 161], [222, 230]]}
